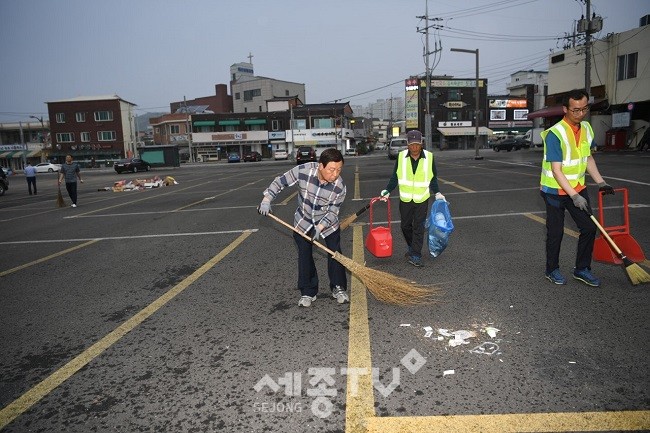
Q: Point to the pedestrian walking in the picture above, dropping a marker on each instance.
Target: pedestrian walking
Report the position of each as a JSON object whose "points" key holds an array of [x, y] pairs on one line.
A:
{"points": [[70, 173], [30, 175], [321, 192], [567, 157], [416, 175]]}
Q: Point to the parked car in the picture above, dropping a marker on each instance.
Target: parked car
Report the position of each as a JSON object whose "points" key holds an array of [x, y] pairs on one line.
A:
{"points": [[395, 146], [280, 154], [305, 154], [252, 157], [47, 167], [234, 157], [509, 144], [4, 182], [133, 165], [7, 171]]}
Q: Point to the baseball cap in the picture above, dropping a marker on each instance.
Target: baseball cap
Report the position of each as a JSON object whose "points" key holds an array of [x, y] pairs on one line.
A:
{"points": [[414, 136]]}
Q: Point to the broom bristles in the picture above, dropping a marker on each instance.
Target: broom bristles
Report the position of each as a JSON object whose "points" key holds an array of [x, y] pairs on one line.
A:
{"points": [[388, 288], [59, 199], [635, 273]]}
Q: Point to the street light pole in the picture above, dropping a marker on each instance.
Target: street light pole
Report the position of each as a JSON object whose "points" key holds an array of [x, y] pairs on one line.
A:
{"points": [[476, 112], [40, 119]]}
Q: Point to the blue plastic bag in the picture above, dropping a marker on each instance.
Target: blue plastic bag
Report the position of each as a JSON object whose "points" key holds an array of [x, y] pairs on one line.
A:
{"points": [[439, 226]]}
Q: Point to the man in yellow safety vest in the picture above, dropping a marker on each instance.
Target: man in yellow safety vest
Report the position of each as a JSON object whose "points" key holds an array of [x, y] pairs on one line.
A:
{"points": [[567, 157]]}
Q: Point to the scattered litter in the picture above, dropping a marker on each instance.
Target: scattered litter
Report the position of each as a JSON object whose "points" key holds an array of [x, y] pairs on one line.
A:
{"points": [[486, 348], [572, 362], [405, 324], [429, 331], [140, 184], [445, 332], [491, 331], [446, 372]]}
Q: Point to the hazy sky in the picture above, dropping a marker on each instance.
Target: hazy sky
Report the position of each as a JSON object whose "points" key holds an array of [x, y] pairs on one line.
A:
{"points": [[153, 52]]}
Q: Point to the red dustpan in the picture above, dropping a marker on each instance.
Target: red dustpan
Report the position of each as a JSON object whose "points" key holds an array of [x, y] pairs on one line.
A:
{"points": [[379, 240], [620, 235]]}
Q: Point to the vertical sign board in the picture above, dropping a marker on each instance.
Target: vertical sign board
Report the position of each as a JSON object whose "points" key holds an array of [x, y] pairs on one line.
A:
{"points": [[411, 108]]}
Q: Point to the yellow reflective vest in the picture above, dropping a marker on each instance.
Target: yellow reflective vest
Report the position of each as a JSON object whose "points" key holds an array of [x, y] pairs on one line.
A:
{"points": [[574, 156], [414, 186]]}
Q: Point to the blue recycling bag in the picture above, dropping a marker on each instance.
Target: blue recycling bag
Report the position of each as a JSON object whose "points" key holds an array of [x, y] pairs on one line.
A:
{"points": [[439, 225]]}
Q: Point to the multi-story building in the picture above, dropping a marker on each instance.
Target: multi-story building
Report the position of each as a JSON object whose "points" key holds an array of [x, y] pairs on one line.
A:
{"points": [[220, 102], [452, 104], [320, 126], [92, 128], [250, 93], [532, 86], [618, 85]]}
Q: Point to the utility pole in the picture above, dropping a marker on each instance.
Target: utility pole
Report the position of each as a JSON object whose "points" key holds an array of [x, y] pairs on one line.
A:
{"points": [[427, 108], [188, 130], [588, 51]]}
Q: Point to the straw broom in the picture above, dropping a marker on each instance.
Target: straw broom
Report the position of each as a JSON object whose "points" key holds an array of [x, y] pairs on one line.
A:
{"points": [[384, 287], [59, 199], [635, 273]]}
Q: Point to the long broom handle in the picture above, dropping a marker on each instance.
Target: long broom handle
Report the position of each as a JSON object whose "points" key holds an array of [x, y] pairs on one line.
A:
{"points": [[345, 223], [602, 230], [318, 244]]}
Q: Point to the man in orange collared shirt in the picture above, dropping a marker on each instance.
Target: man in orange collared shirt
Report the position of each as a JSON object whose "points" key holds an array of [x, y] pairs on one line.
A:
{"points": [[567, 157]]}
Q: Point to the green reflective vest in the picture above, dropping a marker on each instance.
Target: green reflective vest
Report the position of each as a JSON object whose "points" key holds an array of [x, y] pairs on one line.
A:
{"points": [[574, 157], [414, 186]]}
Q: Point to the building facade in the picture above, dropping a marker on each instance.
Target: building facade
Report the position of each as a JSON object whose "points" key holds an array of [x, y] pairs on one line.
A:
{"points": [[92, 128]]}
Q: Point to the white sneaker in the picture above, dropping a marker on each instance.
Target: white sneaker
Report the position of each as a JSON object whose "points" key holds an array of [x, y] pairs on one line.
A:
{"points": [[74, 205], [340, 295], [305, 301]]}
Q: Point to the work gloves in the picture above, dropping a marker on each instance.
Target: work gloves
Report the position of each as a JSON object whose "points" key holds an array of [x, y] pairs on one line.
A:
{"points": [[580, 202], [605, 189], [439, 196], [265, 207]]}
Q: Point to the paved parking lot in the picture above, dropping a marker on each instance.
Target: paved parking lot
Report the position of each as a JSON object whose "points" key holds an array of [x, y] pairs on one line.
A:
{"points": [[175, 309]]}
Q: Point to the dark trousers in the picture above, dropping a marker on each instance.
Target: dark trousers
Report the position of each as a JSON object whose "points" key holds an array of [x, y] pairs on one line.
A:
{"points": [[413, 216], [555, 207], [307, 274], [31, 181], [71, 187]]}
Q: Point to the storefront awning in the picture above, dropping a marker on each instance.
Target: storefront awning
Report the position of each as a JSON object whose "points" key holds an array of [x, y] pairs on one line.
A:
{"points": [[6, 154], [228, 122], [34, 153], [467, 130], [255, 122], [204, 123], [556, 111]]}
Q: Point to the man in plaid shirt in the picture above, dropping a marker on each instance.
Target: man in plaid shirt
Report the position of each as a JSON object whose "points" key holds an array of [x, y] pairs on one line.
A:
{"points": [[321, 194]]}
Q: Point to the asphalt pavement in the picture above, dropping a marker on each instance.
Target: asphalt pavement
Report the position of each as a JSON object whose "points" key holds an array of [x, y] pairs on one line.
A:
{"points": [[176, 309]]}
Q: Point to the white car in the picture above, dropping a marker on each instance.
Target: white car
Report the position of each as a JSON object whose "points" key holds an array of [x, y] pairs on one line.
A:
{"points": [[47, 167], [280, 154]]}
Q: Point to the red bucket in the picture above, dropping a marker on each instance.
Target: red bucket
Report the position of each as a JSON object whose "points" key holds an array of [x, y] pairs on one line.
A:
{"points": [[380, 240]]}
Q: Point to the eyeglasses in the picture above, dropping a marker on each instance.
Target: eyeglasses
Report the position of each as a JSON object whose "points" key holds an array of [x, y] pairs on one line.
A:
{"points": [[579, 110]]}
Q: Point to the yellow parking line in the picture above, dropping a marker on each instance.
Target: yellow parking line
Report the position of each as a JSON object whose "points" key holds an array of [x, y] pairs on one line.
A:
{"points": [[46, 258], [511, 423], [288, 199], [206, 199], [541, 220], [35, 394], [455, 185], [360, 399]]}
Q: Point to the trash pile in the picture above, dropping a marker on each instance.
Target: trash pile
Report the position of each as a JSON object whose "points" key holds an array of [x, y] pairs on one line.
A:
{"points": [[140, 184]]}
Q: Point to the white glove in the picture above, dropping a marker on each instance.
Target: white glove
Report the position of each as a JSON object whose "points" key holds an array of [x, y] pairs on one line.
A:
{"points": [[384, 193], [439, 196], [265, 207]]}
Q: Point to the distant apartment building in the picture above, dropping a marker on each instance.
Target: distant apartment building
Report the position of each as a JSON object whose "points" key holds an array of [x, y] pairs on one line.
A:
{"points": [[92, 127]]}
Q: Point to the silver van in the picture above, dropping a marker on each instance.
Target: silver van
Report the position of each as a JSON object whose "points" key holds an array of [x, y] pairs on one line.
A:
{"points": [[395, 146]]}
